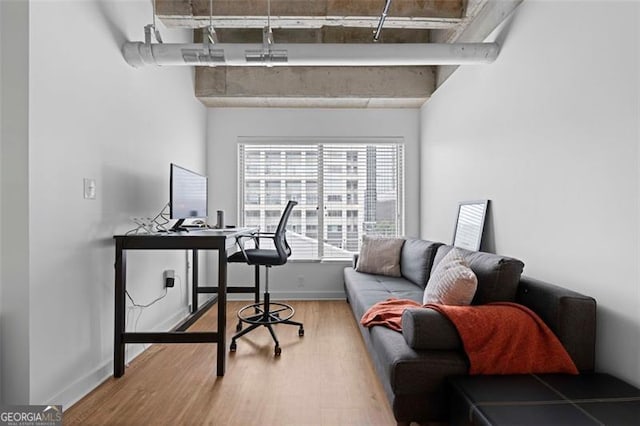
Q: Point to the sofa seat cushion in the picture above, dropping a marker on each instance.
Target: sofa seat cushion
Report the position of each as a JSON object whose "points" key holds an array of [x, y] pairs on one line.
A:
{"points": [[404, 370], [365, 290], [498, 276]]}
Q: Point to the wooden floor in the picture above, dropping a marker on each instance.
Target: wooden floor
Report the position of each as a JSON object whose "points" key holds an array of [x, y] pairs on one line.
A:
{"points": [[323, 378]]}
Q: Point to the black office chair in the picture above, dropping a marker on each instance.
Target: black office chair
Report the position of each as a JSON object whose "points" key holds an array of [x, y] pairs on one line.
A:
{"points": [[266, 313]]}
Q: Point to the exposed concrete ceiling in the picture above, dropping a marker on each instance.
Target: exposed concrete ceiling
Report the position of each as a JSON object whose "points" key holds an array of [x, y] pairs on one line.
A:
{"points": [[324, 21], [424, 14], [348, 87]]}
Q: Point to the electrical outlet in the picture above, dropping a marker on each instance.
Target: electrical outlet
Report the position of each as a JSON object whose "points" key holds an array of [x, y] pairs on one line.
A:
{"points": [[169, 278]]}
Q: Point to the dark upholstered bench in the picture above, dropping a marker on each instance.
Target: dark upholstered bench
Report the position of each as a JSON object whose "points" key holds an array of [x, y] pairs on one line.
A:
{"points": [[551, 399]]}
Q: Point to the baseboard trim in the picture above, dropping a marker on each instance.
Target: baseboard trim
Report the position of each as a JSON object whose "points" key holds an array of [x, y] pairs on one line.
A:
{"points": [[81, 387]]}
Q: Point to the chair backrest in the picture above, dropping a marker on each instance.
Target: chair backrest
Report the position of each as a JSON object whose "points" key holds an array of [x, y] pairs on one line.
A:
{"points": [[280, 240]]}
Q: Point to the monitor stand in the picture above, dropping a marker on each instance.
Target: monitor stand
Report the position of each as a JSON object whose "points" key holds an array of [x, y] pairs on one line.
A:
{"points": [[177, 227]]}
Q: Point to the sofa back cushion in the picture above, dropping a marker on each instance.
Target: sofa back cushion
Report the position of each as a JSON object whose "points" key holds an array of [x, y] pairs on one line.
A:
{"points": [[416, 260], [380, 256], [498, 276]]}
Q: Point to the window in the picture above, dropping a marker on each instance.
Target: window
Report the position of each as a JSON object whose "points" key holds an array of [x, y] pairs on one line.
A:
{"points": [[311, 231], [252, 217], [255, 163], [272, 192], [335, 162], [311, 187], [272, 163], [352, 192], [334, 235], [294, 190], [352, 162], [252, 192], [271, 220], [293, 160], [357, 188]]}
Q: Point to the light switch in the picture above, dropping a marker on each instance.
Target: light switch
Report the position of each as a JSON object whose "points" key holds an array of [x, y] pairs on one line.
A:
{"points": [[89, 189]]}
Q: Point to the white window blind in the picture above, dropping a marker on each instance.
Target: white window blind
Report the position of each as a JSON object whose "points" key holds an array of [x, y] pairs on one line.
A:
{"points": [[358, 188]]}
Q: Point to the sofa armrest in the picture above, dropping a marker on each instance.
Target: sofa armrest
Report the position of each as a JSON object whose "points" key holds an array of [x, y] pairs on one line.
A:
{"points": [[570, 315], [424, 328]]}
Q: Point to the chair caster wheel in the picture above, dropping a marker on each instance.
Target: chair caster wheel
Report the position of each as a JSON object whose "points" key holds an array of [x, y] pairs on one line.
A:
{"points": [[239, 326], [301, 332], [232, 347], [277, 351]]}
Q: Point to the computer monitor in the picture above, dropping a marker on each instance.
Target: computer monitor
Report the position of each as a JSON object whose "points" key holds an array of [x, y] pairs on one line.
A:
{"points": [[187, 196]]}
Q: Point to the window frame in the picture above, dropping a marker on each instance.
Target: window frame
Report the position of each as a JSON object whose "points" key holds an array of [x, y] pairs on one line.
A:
{"points": [[318, 142]]}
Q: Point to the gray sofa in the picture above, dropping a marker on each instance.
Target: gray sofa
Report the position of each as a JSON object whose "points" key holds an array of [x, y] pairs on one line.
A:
{"points": [[413, 365]]}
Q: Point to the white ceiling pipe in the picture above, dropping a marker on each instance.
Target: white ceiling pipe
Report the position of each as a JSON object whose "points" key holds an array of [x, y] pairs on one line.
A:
{"points": [[139, 54]]}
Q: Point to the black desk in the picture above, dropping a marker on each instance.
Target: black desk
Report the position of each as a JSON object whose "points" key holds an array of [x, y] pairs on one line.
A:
{"points": [[222, 240]]}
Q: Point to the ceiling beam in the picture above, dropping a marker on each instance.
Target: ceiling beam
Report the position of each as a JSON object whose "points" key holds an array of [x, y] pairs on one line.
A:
{"points": [[419, 14], [177, 21], [319, 35], [314, 86]]}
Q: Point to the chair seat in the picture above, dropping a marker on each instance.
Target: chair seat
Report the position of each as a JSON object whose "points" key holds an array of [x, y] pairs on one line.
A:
{"points": [[257, 257]]}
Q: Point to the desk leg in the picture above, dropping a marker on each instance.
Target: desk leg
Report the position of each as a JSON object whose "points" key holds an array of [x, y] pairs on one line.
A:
{"points": [[119, 314], [222, 310], [194, 281]]}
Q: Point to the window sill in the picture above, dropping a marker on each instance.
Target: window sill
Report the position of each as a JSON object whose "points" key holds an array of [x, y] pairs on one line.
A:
{"points": [[337, 260], [334, 260]]}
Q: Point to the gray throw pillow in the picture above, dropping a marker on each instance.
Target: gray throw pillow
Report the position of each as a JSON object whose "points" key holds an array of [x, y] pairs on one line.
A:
{"points": [[380, 256], [452, 282]]}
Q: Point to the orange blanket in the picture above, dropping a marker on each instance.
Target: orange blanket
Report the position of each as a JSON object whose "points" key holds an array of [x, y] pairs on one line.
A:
{"points": [[388, 313], [499, 338]]}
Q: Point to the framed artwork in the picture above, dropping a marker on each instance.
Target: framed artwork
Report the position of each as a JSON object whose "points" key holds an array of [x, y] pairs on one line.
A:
{"points": [[470, 224]]}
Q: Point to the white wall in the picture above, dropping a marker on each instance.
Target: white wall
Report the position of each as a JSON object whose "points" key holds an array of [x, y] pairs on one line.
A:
{"points": [[14, 190], [550, 134], [320, 280], [92, 115]]}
